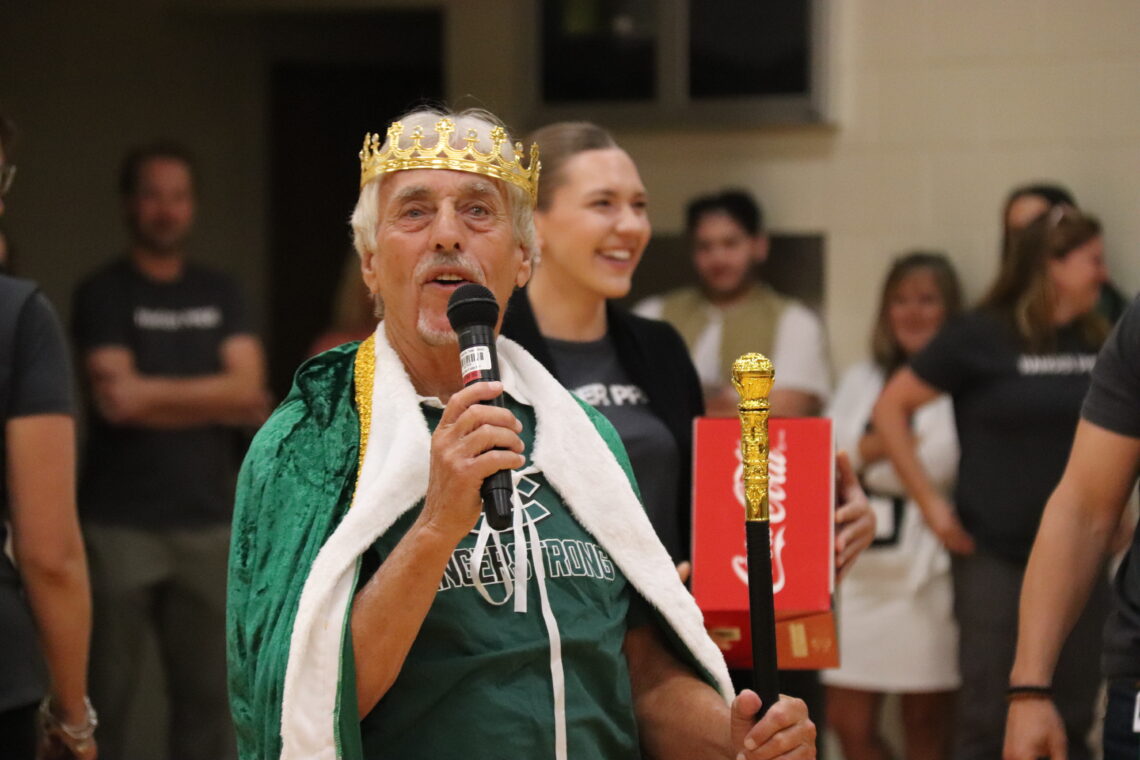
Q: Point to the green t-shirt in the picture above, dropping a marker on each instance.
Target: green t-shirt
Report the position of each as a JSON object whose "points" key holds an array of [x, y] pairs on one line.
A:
{"points": [[476, 684]]}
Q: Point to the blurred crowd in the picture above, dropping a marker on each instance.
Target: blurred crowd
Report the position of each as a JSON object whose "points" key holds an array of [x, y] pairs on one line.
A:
{"points": [[958, 426]]}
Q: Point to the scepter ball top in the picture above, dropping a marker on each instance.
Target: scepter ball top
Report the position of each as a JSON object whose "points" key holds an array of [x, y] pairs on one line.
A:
{"points": [[752, 376]]}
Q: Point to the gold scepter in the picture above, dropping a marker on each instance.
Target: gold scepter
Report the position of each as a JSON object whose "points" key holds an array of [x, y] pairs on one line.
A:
{"points": [[752, 375]]}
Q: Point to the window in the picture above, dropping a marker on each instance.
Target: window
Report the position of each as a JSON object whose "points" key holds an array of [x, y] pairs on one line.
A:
{"points": [[678, 62]]}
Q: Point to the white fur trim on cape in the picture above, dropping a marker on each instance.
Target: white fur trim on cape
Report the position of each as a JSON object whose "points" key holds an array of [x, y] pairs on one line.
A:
{"points": [[393, 479]]}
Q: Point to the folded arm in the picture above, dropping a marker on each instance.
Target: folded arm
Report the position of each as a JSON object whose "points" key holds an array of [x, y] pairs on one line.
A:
{"points": [[236, 395]]}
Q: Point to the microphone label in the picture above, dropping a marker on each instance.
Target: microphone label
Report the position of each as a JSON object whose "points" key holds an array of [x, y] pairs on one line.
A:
{"points": [[473, 362]]}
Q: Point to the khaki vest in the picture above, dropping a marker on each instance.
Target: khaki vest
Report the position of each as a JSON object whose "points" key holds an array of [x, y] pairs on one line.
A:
{"points": [[749, 324]]}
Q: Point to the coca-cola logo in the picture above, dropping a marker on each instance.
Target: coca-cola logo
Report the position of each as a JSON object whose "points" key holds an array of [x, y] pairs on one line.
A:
{"points": [[777, 509]]}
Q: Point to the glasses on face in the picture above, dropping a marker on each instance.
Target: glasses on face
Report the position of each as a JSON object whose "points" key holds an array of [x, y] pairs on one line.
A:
{"points": [[7, 174]]}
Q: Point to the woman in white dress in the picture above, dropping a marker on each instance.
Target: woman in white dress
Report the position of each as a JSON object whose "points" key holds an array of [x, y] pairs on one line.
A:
{"points": [[896, 626]]}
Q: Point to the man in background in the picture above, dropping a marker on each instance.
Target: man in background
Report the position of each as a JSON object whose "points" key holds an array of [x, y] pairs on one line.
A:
{"points": [[171, 368], [731, 311]]}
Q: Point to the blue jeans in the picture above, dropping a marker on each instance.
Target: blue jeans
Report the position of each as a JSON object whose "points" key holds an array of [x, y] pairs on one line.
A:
{"points": [[1121, 742]]}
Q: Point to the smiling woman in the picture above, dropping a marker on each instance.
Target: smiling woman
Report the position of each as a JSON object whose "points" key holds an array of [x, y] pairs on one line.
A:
{"points": [[1017, 368], [902, 582], [593, 227], [593, 232]]}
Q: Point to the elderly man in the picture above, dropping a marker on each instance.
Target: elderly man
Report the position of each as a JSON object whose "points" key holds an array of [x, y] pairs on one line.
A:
{"points": [[368, 599]]}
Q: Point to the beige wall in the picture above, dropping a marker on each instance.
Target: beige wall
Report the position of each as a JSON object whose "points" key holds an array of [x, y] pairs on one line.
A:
{"points": [[940, 106], [85, 81]]}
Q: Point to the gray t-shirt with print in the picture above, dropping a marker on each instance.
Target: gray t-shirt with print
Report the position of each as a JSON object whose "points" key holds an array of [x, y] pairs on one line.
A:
{"points": [[592, 371]]}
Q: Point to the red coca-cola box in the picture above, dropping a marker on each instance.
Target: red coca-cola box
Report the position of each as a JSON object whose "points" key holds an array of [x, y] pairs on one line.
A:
{"points": [[801, 495]]}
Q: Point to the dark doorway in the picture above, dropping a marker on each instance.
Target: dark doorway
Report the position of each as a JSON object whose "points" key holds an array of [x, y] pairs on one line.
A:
{"points": [[321, 105]]}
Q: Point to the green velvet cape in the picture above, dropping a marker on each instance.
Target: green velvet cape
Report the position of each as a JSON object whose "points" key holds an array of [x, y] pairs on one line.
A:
{"points": [[296, 487]]}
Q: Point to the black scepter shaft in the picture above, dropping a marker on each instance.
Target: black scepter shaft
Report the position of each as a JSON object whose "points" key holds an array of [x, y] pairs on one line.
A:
{"points": [[762, 614], [752, 375]]}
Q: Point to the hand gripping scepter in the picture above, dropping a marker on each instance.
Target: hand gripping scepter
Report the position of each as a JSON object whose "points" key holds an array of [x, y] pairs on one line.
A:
{"points": [[752, 376]]}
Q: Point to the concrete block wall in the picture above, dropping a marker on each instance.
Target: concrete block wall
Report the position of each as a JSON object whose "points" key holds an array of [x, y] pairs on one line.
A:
{"points": [[940, 108]]}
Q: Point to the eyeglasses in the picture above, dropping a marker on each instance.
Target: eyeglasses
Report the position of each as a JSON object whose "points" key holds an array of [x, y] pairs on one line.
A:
{"points": [[7, 174]]}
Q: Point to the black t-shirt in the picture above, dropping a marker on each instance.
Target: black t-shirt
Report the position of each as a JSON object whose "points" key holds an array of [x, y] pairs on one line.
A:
{"points": [[1016, 413], [591, 369], [1113, 403], [149, 477], [35, 378]]}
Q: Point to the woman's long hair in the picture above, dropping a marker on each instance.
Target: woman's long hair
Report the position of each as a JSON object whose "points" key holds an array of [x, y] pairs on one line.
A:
{"points": [[885, 348], [1051, 193], [557, 144], [1024, 295]]}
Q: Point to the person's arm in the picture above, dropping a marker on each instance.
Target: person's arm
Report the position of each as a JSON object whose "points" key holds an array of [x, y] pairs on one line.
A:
{"points": [[236, 395], [471, 442], [1069, 552], [854, 518], [680, 717], [936, 443], [49, 553], [904, 393], [871, 448]]}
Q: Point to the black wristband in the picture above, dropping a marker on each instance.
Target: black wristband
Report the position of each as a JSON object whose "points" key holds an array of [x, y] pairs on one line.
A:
{"points": [[1028, 691]]}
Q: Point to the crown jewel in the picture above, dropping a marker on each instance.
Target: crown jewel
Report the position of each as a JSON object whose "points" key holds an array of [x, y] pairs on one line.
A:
{"points": [[376, 158]]}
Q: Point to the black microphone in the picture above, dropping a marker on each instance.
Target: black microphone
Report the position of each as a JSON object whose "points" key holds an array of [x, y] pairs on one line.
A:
{"points": [[473, 312]]}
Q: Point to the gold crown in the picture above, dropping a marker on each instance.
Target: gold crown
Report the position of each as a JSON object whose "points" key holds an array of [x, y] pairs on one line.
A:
{"points": [[378, 158]]}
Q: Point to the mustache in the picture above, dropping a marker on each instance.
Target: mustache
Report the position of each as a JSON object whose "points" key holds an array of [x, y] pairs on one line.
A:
{"points": [[459, 263]]}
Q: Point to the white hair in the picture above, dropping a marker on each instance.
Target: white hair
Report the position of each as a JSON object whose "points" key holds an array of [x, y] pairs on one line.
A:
{"points": [[366, 216]]}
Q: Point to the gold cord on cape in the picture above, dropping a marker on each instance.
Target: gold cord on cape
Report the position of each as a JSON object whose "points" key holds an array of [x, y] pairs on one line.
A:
{"points": [[363, 375]]}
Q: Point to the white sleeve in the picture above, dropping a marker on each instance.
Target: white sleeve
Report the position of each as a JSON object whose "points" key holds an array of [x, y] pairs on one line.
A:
{"points": [[650, 308], [850, 407], [938, 441], [800, 353]]}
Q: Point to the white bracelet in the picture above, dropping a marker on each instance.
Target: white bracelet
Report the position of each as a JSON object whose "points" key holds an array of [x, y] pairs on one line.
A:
{"points": [[80, 734]]}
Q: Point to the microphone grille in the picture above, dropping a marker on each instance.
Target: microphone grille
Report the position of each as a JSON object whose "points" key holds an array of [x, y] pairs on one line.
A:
{"points": [[472, 304]]}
